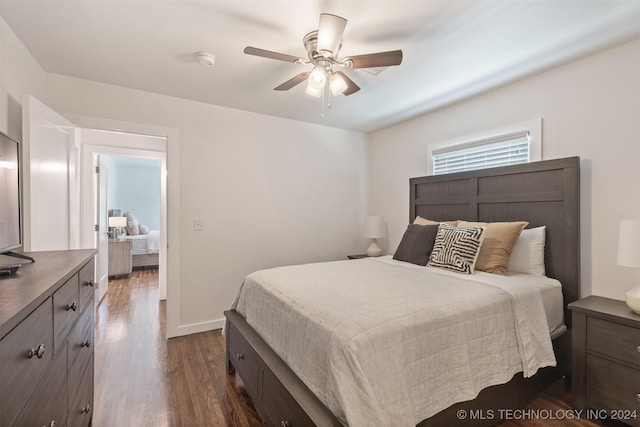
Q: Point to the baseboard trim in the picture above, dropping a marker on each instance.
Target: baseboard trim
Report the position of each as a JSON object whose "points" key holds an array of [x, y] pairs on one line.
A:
{"points": [[194, 328]]}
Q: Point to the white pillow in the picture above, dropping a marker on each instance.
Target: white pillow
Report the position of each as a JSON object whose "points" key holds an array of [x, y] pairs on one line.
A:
{"points": [[527, 255]]}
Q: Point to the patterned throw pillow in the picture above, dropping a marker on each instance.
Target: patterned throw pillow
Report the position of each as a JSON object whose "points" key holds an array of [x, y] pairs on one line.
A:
{"points": [[456, 248]]}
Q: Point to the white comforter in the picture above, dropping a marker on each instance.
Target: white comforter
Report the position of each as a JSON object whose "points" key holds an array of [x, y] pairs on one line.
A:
{"points": [[382, 342]]}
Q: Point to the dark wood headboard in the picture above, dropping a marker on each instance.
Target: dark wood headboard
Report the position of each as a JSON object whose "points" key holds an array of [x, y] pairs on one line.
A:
{"points": [[543, 193]]}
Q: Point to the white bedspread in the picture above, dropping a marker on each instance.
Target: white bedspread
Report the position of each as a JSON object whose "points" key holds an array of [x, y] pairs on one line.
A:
{"points": [[145, 243], [382, 342]]}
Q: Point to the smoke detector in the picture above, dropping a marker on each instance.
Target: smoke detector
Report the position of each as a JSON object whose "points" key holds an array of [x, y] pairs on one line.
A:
{"points": [[206, 58]]}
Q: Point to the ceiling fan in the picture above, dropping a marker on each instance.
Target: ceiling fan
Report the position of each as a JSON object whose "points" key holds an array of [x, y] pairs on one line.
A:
{"points": [[322, 47]]}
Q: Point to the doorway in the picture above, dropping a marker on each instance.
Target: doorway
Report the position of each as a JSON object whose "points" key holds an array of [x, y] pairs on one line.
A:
{"points": [[97, 146]]}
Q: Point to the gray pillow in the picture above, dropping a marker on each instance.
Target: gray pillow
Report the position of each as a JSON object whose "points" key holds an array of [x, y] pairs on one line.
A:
{"points": [[416, 244], [133, 226]]}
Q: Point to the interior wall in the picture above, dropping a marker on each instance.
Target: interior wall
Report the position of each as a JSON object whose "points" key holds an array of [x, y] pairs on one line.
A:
{"points": [[20, 75], [268, 191], [136, 189], [590, 108]]}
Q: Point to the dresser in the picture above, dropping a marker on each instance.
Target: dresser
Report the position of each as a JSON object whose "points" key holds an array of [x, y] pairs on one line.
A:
{"points": [[606, 359], [119, 257], [46, 346]]}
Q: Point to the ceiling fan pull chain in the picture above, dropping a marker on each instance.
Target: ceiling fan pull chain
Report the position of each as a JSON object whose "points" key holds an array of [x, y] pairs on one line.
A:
{"points": [[322, 102]]}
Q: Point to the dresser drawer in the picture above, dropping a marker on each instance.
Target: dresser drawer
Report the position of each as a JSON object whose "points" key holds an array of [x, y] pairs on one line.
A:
{"points": [[614, 340], [81, 405], [65, 310], [281, 412], [81, 350], [49, 402], [86, 284], [612, 386], [21, 366], [244, 359]]}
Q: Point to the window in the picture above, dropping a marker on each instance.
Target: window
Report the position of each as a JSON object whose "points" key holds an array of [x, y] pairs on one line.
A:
{"points": [[511, 145]]}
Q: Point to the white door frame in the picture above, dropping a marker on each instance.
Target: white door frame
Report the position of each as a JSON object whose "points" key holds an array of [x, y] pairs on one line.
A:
{"points": [[172, 176], [90, 154]]}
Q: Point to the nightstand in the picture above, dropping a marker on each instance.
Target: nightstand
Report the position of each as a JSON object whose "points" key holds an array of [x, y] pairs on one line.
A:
{"points": [[119, 257], [359, 256], [606, 358]]}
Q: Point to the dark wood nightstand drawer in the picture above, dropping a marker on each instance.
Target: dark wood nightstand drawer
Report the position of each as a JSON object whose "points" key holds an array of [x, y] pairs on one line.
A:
{"points": [[613, 386], [245, 360], [617, 341], [280, 411]]}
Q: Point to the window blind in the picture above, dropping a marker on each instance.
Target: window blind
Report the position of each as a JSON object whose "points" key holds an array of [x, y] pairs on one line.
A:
{"points": [[502, 150]]}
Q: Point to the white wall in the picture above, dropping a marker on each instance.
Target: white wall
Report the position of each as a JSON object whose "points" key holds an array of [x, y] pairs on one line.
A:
{"points": [[269, 191], [20, 75], [590, 108]]}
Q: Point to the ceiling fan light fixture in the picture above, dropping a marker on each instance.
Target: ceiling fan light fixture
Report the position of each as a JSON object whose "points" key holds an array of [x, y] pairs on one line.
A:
{"points": [[317, 77], [313, 91], [337, 84]]}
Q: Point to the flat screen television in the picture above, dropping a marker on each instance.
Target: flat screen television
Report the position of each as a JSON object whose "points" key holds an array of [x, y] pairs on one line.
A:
{"points": [[10, 215]]}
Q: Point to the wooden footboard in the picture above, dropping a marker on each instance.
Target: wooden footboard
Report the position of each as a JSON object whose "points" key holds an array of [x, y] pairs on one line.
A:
{"points": [[284, 400]]}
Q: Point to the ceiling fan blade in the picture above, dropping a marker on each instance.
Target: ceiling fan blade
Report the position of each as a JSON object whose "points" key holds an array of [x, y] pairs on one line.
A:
{"points": [[330, 33], [380, 59], [351, 86], [249, 50], [293, 82]]}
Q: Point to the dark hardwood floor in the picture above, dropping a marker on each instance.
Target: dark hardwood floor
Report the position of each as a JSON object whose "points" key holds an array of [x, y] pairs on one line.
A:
{"points": [[143, 379]]}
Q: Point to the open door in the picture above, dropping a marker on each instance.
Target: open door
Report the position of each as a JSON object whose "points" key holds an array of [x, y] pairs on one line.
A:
{"points": [[51, 186], [51, 191], [102, 264]]}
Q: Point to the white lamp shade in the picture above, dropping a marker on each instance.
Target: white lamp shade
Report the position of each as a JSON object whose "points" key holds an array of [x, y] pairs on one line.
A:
{"points": [[117, 221], [313, 91], [374, 227], [330, 33], [337, 84], [317, 77], [629, 243]]}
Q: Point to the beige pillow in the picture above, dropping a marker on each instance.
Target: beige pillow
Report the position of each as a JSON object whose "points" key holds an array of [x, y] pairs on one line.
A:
{"points": [[499, 238], [423, 221]]}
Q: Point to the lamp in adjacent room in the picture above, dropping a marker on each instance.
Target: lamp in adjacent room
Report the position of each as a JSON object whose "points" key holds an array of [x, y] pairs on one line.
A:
{"points": [[629, 256], [116, 223], [374, 229]]}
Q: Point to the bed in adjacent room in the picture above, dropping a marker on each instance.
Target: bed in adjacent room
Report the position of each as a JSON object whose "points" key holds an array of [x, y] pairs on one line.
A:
{"points": [[145, 243], [381, 341]]}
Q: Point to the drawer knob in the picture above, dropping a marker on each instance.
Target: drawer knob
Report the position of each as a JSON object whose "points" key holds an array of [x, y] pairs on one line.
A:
{"points": [[73, 306], [638, 397], [239, 356], [285, 423], [39, 352], [638, 348], [86, 343], [90, 283], [85, 409]]}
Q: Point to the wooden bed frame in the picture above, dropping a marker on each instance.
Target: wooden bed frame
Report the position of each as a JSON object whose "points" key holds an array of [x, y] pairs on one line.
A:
{"points": [[543, 193]]}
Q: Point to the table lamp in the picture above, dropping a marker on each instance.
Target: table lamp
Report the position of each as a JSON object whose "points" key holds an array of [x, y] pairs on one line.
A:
{"points": [[374, 229], [117, 222], [629, 256]]}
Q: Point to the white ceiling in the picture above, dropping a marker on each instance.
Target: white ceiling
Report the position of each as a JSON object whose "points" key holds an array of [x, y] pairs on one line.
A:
{"points": [[452, 49]]}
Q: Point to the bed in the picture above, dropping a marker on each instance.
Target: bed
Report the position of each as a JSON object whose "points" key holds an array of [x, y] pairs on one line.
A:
{"points": [[542, 193], [145, 249], [145, 243]]}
